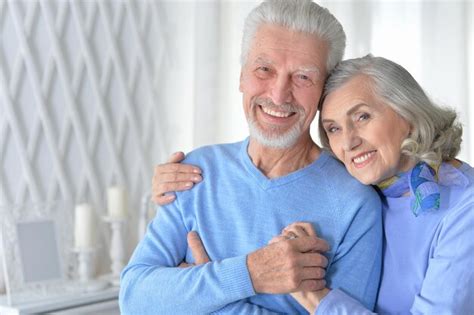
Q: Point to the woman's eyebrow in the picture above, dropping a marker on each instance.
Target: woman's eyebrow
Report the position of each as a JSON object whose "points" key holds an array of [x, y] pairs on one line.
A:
{"points": [[349, 112]]}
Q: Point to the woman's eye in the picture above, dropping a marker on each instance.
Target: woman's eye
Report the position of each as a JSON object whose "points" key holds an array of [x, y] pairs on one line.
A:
{"points": [[331, 129]]}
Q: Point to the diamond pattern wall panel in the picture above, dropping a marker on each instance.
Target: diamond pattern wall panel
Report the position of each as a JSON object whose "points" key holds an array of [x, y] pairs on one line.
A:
{"points": [[78, 102]]}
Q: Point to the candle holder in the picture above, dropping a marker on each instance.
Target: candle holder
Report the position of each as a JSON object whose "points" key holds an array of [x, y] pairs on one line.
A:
{"points": [[117, 251], [85, 270]]}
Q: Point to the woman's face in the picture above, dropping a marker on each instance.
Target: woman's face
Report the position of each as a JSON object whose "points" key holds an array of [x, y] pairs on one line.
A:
{"points": [[363, 132]]}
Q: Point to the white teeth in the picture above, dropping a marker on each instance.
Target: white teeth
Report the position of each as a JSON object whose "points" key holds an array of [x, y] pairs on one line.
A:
{"points": [[363, 158], [274, 113]]}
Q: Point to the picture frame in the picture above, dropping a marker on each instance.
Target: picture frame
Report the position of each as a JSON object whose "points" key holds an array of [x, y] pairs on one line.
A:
{"points": [[36, 243]]}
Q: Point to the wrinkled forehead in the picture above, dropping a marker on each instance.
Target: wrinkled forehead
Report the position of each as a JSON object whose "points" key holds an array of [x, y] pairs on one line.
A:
{"points": [[274, 39]]}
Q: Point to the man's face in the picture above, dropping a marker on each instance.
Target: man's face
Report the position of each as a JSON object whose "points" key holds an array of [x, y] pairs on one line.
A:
{"points": [[282, 81]]}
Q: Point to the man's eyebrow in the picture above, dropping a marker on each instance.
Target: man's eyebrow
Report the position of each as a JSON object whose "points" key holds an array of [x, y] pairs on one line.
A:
{"points": [[349, 112], [263, 60], [309, 69]]}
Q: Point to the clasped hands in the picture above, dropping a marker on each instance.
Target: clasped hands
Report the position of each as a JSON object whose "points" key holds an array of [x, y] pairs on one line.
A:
{"points": [[292, 263]]}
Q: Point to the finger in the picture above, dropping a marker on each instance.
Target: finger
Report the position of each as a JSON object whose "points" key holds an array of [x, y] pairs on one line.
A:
{"points": [[313, 260], [277, 239], [184, 265], [176, 168], [307, 227], [197, 248], [178, 177], [294, 231], [288, 235], [312, 285], [163, 200], [176, 157], [314, 273], [164, 188], [310, 243]]}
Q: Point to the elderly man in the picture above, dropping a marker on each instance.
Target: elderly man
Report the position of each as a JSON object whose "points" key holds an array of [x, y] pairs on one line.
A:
{"points": [[254, 188]]}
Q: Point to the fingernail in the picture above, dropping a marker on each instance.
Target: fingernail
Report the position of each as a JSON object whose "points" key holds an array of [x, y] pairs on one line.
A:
{"points": [[188, 184], [196, 170], [197, 178], [169, 197]]}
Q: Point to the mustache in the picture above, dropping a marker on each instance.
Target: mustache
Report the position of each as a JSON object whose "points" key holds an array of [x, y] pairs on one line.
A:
{"points": [[288, 107]]}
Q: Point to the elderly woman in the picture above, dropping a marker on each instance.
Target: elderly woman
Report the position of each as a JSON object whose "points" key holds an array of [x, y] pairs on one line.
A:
{"points": [[376, 119]]}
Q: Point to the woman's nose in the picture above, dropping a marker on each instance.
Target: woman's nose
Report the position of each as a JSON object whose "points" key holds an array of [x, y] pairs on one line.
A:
{"points": [[351, 139]]}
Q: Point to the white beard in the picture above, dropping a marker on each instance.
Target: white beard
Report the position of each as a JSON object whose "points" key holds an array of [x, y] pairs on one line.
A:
{"points": [[274, 138], [276, 141]]}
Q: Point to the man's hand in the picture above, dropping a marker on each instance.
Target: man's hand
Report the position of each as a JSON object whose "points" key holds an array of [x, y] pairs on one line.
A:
{"points": [[289, 264], [197, 249], [173, 176], [310, 300]]}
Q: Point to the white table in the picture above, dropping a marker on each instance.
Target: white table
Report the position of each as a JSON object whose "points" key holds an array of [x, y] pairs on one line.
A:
{"points": [[104, 302]]}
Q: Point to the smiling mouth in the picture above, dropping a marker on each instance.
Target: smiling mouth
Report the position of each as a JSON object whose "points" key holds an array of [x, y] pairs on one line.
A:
{"points": [[362, 159], [277, 114]]}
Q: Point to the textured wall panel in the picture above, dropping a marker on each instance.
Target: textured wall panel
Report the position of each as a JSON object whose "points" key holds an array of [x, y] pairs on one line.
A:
{"points": [[78, 100]]}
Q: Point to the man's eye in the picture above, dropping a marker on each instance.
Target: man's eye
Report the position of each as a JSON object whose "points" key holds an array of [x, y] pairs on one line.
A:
{"points": [[302, 80], [363, 116], [263, 72], [303, 77]]}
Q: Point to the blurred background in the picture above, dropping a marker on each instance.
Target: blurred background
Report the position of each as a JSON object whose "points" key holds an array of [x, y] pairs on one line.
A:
{"points": [[95, 93]]}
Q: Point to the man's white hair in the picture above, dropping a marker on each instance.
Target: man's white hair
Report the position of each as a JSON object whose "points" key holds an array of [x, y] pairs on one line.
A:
{"points": [[301, 16]]}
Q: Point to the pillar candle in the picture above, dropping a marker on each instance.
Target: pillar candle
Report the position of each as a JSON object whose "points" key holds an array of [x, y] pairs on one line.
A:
{"points": [[84, 226], [116, 202]]}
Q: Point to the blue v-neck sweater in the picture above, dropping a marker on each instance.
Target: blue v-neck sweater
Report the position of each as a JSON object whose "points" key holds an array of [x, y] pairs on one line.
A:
{"points": [[237, 210]]}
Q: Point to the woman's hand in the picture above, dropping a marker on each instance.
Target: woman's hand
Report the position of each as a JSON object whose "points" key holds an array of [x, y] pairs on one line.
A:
{"points": [[308, 299], [173, 176]]}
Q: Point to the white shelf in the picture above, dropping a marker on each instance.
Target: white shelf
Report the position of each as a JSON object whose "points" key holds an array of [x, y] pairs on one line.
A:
{"points": [[66, 303]]}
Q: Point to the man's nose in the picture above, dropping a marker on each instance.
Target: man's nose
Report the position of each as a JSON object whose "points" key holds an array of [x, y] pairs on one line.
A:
{"points": [[281, 90], [351, 139]]}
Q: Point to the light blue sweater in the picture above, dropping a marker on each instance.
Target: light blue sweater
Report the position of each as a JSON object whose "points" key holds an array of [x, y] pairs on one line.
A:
{"points": [[429, 259], [237, 210]]}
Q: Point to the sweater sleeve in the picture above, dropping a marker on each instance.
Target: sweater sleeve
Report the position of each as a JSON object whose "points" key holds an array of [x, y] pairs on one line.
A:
{"points": [[339, 303], [151, 284], [243, 307], [448, 286], [358, 259]]}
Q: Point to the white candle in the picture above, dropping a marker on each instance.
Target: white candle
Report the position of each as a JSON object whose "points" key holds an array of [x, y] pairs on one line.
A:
{"points": [[116, 202], [84, 226]]}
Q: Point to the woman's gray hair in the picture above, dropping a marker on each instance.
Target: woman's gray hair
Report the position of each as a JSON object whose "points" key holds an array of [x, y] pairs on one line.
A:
{"points": [[297, 15], [435, 135]]}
